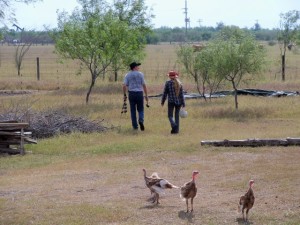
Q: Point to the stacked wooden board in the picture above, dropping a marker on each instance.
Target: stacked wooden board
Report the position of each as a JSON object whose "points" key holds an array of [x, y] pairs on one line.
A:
{"points": [[13, 136]]}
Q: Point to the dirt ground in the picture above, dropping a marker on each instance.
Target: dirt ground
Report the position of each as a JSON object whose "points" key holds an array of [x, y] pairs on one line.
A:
{"points": [[115, 188]]}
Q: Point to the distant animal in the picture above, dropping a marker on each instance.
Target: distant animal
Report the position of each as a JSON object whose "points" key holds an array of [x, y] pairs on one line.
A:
{"points": [[247, 201], [290, 46], [198, 47], [189, 191], [157, 185]]}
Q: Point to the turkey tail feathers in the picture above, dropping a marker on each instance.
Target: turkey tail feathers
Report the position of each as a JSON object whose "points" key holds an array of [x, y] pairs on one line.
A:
{"points": [[166, 184], [170, 186]]}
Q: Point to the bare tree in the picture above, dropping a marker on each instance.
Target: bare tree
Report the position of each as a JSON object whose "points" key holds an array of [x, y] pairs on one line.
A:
{"points": [[21, 50]]}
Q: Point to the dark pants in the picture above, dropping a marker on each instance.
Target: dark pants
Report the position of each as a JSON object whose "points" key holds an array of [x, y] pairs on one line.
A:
{"points": [[136, 101], [173, 112]]}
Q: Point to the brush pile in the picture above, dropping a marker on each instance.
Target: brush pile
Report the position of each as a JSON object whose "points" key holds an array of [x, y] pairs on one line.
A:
{"points": [[53, 122]]}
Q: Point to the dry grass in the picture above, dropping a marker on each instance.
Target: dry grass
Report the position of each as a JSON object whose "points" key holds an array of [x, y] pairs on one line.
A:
{"points": [[106, 189], [97, 178]]}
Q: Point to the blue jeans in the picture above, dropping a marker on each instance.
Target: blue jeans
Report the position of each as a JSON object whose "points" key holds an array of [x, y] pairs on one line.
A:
{"points": [[136, 102], [173, 111]]}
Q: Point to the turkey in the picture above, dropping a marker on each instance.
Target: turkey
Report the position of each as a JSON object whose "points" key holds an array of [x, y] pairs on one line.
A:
{"points": [[247, 201], [157, 185], [189, 191], [150, 180]]}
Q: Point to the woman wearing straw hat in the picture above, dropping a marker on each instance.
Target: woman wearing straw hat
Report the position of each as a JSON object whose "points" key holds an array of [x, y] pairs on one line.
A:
{"points": [[173, 90]]}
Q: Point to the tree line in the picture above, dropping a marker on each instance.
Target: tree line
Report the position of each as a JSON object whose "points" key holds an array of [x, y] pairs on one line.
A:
{"points": [[156, 36]]}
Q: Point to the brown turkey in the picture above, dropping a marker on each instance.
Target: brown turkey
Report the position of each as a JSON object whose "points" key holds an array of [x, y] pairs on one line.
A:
{"points": [[189, 191], [247, 200], [157, 185], [150, 180]]}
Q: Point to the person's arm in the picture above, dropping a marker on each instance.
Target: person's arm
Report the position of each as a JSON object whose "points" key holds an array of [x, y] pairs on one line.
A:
{"points": [[165, 93], [125, 85], [146, 92], [124, 89], [182, 97]]}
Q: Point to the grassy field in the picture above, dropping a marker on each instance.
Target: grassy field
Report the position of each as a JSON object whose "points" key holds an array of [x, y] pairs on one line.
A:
{"points": [[97, 178]]}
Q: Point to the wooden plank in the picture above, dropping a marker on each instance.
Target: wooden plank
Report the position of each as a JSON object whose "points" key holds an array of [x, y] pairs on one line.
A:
{"points": [[22, 150], [12, 151], [7, 123], [13, 126], [252, 142], [7, 133], [13, 141], [30, 140], [13, 133], [293, 141], [10, 142]]}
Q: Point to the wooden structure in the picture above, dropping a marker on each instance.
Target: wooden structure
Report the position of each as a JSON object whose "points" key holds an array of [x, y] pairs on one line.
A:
{"points": [[13, 136], [253, 142]]}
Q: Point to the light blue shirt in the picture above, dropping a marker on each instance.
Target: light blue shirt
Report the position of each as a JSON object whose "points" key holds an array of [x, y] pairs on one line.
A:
{"points": [[134, 80]]}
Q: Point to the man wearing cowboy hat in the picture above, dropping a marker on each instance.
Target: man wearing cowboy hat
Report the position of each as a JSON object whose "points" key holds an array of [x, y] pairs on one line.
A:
{"points": [[134, 83]]}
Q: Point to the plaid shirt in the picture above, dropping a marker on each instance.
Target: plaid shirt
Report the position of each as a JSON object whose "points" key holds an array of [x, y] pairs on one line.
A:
{"points": [[169, 91]]}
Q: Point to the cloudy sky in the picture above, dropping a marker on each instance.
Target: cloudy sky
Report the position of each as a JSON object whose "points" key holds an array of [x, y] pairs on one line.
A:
{"points": [[170, 13]]}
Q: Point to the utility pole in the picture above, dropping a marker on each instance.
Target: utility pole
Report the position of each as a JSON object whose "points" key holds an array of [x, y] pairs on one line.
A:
{"points": [[199, 21], [187, 20]]}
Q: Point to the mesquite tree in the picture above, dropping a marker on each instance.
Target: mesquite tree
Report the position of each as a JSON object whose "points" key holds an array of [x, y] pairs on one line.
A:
{"points": [[231, 56], [200, 64], [97, 37], [239, 55], [137, 15]]}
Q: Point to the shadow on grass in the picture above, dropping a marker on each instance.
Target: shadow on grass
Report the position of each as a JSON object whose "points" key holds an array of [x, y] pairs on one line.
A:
{"points": [[151, 206], [242, 222], [186, 216], [156, 206]]}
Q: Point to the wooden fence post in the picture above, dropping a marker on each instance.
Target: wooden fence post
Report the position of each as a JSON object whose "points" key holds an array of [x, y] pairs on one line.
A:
{"points": [[38, 68], [22, 152]]}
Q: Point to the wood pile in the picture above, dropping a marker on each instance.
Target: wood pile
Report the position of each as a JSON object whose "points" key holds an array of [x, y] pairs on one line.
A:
{"points": [[13, 136], [54, 122], [51, 123], [253, 142]]}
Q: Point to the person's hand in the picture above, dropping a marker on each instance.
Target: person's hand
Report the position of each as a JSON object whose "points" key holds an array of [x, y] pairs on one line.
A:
{"points": [[147, 101], [125, 97]]}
